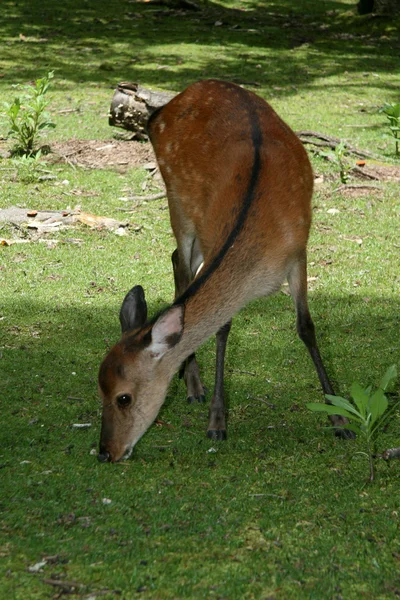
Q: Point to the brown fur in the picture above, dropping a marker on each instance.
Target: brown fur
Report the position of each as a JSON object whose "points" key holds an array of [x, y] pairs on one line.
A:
{"points": [[208, 142]]}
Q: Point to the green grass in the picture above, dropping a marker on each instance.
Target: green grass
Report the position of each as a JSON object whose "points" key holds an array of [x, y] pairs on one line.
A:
{"points": [[282, 509]]}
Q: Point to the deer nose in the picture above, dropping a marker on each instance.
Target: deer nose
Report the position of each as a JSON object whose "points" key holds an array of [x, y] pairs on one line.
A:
{"points": [[104, 456]]}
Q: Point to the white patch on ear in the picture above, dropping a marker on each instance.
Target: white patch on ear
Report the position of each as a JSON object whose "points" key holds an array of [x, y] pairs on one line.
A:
{"points": [[166, 331]]}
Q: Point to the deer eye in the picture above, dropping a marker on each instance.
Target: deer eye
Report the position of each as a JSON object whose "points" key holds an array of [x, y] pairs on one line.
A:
{"points": [[124, 400]]}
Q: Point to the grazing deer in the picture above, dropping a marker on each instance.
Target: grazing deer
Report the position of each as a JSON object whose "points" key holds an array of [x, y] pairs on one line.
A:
{"points": [[239, 186]]}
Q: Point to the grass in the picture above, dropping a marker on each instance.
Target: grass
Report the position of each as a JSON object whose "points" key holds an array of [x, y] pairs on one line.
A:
{"points": [[281, 510]]}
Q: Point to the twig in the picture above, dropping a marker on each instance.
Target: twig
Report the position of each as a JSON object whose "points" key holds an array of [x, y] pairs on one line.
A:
{"points": [[332, 142], [67, 585], [65, 111], [102, 593], [268, 495], [371, 462], [242, 372], [356, 186], [138, 199], [261, 400], [149, 197], [365, 173]]}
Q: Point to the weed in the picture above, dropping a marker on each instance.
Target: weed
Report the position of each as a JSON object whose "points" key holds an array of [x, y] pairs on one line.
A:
{"points": [[27, 116], [369, 416], [29, 169], [392, 111], [340, 161], [338, 158]]}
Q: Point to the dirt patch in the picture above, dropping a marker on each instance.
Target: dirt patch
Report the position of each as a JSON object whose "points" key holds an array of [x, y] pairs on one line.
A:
{"points": [[362, 191], [384, 172], [98, 154]]}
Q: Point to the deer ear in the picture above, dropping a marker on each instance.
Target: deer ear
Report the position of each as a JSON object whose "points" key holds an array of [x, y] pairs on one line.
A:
{"points": [[166, 331], [133, 313]]}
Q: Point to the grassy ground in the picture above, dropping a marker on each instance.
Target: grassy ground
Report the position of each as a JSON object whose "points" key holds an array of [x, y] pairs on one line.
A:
{"points": [[281, 510]]}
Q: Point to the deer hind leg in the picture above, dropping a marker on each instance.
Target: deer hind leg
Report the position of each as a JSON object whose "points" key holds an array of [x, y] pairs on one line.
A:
{"points": [[297, 278], [216, 419], [183, 275]]}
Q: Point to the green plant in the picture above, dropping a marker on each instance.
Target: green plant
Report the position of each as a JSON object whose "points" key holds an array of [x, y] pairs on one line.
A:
{"points": [[29, 169], [368, 414], [392, 111], [27, 116], [340, 160]]}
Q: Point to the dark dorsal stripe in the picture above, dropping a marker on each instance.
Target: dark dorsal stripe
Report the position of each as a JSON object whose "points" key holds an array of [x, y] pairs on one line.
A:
{"points": [[256, 137]]}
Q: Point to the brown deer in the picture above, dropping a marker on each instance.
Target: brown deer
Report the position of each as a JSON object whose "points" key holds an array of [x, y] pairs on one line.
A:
{"points": [[239, 186]]}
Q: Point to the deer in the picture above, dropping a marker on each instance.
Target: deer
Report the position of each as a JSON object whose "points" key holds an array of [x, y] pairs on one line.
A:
{"points": [[239, 185]]}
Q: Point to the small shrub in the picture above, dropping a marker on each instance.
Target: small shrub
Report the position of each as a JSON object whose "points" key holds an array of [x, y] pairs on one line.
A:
{"points": [[341, 162], [366, 414], [338, 158], [29, 169], [392, 112], [27, 116]]}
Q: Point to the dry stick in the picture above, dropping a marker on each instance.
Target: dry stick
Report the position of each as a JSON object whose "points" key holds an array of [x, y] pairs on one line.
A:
{"points": [[267, 495], [357, 186], [138, 199], [261, 400], [365, 173], [149, 197], [65, 111], [332, 142], [242, 372], [102, 593], [67, 585]]}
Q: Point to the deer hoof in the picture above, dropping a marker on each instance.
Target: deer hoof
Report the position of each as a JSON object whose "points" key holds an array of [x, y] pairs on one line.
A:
{"points": [[217, 434], [192, 399], [345, 434]]}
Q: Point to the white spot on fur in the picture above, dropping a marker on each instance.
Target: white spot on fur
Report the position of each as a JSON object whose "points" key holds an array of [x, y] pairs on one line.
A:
{"points": [[161, 126]]}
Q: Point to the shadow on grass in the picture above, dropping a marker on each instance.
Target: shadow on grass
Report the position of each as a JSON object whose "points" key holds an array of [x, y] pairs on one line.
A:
{"points": [[50, 355], [289, 44]]}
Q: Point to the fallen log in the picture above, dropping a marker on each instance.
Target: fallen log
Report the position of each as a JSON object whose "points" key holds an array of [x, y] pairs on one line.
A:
{"points": [[131, 106]]}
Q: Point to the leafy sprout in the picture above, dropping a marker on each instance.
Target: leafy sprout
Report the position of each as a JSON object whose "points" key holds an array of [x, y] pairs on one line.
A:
{"points": [[27, 116], [392, 112], [366, 414]]}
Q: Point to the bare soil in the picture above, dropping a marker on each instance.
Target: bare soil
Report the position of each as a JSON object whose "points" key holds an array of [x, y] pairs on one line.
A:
{"points": [[384, 172], [98, 154]]}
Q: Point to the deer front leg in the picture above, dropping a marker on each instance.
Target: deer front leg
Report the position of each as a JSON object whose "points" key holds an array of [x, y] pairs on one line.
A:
{"points": [[216, 419], [190, 369]]}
